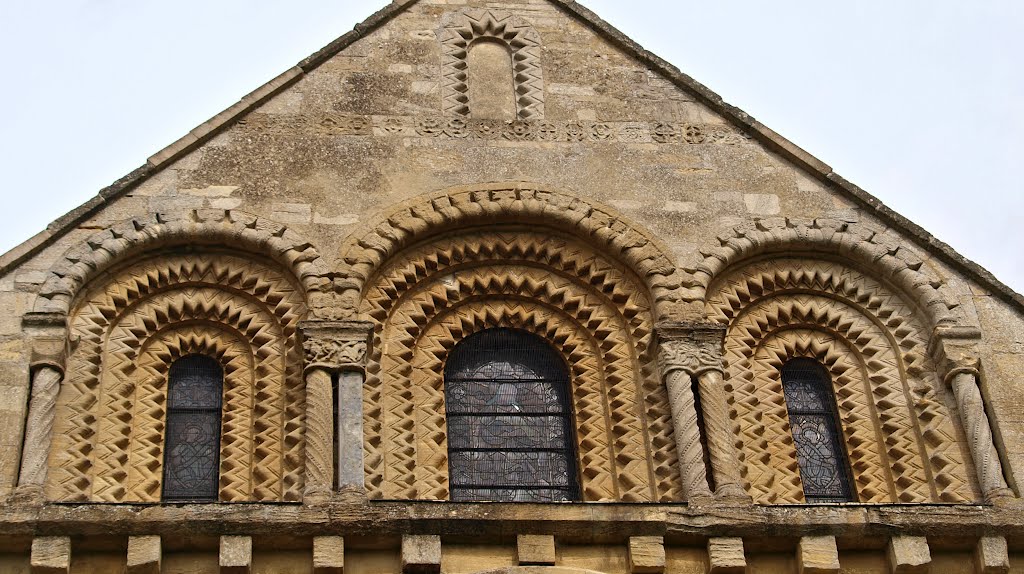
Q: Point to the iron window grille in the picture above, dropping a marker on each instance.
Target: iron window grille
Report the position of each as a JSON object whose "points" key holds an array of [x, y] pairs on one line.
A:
{"points": [[814, 420], [192, 444], [509, 418]]}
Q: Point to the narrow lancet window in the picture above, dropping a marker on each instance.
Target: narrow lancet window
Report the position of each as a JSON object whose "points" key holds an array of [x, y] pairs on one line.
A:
{"points": [[492, 89], [509, 419], [192, 446], [813, 418]]}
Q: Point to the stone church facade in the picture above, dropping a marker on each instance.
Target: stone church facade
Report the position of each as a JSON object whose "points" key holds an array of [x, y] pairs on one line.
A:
{"points": [[486, 287]]}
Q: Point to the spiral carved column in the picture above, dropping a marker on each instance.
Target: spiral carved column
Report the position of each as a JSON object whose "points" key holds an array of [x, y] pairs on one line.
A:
{"points": [[725, 464], [964, 381], [684, 420], [695, 350], [334, 350], [955, 348], [47, 366]]}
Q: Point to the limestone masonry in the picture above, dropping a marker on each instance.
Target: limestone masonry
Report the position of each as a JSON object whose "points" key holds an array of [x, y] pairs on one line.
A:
{"points": [[719, 356]]}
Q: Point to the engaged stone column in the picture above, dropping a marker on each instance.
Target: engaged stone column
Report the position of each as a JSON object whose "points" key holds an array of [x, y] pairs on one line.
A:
{"points": [[959, 357], [49, 341], [964, 381], [694, 350], [334, 348]]}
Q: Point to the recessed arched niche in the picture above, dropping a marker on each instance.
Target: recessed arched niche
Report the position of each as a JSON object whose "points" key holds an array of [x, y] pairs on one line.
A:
{"points": [[491, 80]]}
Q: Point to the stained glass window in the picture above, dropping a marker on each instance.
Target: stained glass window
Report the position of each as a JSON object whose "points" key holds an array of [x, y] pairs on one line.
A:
{"points": [[192, 445], [824, 469], [510, 430]]}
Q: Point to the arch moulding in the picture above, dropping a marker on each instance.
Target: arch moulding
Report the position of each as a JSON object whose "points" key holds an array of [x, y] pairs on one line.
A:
{"points": [[872, 248], [366, 251], [123, 240]]}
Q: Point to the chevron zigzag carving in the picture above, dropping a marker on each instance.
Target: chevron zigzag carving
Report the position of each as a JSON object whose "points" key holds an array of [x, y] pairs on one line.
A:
{"points": [[902, 444], [512, 31], [131, 326], [430, 296]]}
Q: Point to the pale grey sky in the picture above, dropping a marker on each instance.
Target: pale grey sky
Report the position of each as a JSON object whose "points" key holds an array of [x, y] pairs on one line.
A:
{"points": [[920, 102]]}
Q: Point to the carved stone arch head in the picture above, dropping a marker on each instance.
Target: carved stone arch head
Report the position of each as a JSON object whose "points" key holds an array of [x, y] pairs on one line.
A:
{"points": [[870, 248], [788, 292], [523, 42], [367, 250], [127, 239]]}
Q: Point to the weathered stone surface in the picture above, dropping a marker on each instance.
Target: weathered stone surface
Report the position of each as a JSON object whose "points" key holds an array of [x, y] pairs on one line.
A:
{"points": [[818, 555], [535, 550], [328, 555], [421, 554], [991, 556], [235, 554], [909, 555], [369, 180], [726, 556], [646, 554], [51, 555], [144, 555], [350, 431]]}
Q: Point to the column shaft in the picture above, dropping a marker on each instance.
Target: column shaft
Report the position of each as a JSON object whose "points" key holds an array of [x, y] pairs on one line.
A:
{"points": [[687, 434], [725, 465], [39, 427], [319, 433], [979, 436], [351, 473]]}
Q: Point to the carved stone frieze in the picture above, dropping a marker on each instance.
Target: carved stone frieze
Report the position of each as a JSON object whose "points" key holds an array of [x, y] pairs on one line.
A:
{"points": [[476, 129]]}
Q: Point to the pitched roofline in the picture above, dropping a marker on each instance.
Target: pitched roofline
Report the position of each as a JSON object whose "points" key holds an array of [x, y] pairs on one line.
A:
{"points": [[772, 140]]}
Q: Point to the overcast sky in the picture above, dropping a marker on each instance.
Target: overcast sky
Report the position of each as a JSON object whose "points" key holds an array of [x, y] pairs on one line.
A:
{"points": [[920, 102]]}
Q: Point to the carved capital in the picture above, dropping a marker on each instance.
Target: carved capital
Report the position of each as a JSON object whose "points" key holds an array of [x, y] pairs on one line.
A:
{"points": [[955, 351], [49, 339], [336, 345], [694, 348]]}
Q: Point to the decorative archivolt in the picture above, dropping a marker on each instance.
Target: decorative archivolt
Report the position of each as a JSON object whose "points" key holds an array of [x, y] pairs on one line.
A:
{"points": [[873, 247], [431, 296], [522, 41], [132, 238], [128, 329], [902, 443], [366, 251]]}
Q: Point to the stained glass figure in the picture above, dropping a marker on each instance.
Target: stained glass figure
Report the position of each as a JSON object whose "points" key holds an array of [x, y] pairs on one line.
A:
{"points": [[510, 432], [192, 445], [824, 469]]}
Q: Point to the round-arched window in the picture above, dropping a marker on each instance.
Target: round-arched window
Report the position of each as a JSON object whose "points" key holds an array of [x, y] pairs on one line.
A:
{"points": [[814, 420], [509, 418], [192, 445]]}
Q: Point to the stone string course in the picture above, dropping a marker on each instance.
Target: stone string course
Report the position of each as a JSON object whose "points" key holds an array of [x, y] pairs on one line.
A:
{"points": [[336, 124]]}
